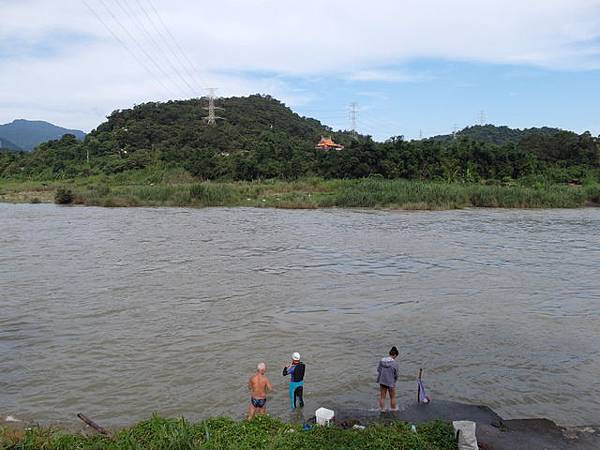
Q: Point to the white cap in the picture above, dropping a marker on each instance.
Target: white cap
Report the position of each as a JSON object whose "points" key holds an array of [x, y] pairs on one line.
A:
{"points": [[296, 356]]}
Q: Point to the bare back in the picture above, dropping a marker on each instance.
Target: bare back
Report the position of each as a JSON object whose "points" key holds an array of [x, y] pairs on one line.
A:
{"points": [[259, 385]]}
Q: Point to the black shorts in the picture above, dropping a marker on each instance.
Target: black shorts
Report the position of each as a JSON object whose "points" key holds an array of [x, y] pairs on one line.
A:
{"points": [[258, 402]]}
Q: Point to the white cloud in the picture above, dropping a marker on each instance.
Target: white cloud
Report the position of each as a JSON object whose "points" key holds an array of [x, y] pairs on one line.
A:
{"points": [[394, 76], [75, 78]]}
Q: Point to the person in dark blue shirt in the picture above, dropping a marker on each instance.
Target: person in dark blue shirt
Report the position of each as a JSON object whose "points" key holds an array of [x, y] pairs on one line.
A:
{"points": [[296, 372]]}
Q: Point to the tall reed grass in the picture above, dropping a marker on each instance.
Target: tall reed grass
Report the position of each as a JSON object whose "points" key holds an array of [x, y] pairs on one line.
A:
{"points": [[430, 195], [305, 193]]}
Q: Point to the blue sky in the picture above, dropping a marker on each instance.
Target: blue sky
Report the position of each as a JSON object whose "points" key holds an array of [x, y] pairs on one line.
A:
{"points": [[411, 66], [459, 94]]}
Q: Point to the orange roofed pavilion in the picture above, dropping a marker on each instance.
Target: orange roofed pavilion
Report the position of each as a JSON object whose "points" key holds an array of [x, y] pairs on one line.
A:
{"points": [[328, 144]]}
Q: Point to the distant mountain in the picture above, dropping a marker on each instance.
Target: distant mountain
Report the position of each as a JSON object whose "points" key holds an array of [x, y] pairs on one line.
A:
{"points": [[498, 135], [5, 144], [28, 134]]}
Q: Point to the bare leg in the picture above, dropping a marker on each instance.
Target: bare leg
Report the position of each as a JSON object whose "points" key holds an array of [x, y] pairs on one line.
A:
{"points": [[393, 405], [251, 412], [382, 391], [262, 411]]}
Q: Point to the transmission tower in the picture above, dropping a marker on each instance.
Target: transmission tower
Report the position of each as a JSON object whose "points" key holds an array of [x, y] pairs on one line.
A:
{"points": [[482, 118], [353, 117], [454, 131], [211, 119]]}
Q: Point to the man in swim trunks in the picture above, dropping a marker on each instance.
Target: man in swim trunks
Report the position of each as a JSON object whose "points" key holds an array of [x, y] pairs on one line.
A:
{"points": [[296, 372], [259, 385]]}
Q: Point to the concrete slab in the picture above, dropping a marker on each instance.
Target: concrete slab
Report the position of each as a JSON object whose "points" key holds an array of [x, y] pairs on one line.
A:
{"points": [[492, 430]]}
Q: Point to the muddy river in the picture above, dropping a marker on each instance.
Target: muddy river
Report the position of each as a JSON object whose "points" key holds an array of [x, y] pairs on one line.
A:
{"points": [[118, 313]]}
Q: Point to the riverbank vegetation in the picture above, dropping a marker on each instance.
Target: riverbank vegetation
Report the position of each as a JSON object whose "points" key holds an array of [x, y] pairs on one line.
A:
{"points": [[133, 189], [263, 154], [305, 193], [158, 433]]}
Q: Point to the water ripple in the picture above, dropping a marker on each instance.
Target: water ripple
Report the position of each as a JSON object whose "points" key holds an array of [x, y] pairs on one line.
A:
{"points": [[122, 312]]}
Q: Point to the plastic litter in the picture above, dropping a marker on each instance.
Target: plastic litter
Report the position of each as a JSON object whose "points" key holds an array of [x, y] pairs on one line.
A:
{"points": [[324, 416], [465, 431]]}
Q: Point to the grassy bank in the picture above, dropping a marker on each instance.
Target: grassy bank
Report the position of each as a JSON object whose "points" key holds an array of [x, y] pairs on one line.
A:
{"points": [[263, 433], [179, 189]]}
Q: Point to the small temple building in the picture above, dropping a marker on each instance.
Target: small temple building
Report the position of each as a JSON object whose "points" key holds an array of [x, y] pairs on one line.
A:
{"points": [[328, 144]]}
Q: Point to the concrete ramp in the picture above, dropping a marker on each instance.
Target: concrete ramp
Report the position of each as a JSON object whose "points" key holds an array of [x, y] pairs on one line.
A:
{"points": [[493, 431], [436, 410]]}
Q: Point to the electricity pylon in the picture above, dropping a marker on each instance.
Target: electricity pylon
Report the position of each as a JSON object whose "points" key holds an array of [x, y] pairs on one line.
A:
{"points": [[482, 118], [211, 119], [353, 117]]}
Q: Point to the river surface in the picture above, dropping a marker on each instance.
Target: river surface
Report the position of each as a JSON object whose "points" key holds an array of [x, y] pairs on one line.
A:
{"points": [[118, 313]]}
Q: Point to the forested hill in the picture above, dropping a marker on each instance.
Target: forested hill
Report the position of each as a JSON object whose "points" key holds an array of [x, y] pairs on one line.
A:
{"points": [[259, 137], [244, 124], [8, 145], [28, 134], [499, 135]]}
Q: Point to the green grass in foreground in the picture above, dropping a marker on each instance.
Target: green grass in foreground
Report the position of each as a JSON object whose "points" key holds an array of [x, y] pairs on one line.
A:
{"points": [[158, 433], [177, 189]]}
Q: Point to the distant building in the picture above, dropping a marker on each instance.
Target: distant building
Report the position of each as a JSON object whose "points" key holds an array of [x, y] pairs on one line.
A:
{"points": [[328, 144]]}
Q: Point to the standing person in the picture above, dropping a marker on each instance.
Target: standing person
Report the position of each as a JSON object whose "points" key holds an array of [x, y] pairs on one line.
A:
{"points": [[259, 385], [296, 372], [387, 375]]}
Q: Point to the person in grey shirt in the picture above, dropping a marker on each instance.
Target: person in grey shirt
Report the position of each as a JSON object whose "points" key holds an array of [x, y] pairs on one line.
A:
{"points": [[387, 375]]}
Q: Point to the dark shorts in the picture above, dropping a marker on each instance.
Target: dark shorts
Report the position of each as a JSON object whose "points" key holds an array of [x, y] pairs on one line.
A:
{"points": [[387, 388], [258, 402]]}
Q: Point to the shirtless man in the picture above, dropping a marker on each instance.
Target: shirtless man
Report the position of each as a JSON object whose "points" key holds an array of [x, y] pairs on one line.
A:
{"points": [[259, 385]]}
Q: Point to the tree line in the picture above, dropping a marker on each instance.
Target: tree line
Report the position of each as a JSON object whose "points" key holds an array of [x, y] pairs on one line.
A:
{"points": [[261, 138]]}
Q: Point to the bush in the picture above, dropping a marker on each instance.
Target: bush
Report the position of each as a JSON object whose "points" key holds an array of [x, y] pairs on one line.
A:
{"points": [[63, 196], [593, 194], [208, 194]]}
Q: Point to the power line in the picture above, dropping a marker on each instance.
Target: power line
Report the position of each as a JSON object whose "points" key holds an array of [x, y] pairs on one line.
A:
{"points": [[140, 42], [124, 44], [141, 48], [191, 64], [376, 129], [392, 129], [131, 13], [169, 49]]}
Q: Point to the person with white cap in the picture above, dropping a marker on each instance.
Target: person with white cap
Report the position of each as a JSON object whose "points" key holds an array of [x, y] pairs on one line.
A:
{"points": [[296, 372]]}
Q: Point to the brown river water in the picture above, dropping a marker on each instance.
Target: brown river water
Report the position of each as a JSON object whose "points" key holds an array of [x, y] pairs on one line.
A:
{"points": [[118, 313]]}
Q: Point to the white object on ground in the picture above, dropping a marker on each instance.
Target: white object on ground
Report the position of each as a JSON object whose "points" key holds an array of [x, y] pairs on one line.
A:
{"points": [[11, 419], [324, 416], [466, 437], [358, 427]]}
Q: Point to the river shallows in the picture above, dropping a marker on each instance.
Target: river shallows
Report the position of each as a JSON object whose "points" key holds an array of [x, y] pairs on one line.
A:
{"points": [[121, 312]]}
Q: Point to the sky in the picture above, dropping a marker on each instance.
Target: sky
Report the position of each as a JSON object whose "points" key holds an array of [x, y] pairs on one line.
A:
{"points": [[413, 67]]}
